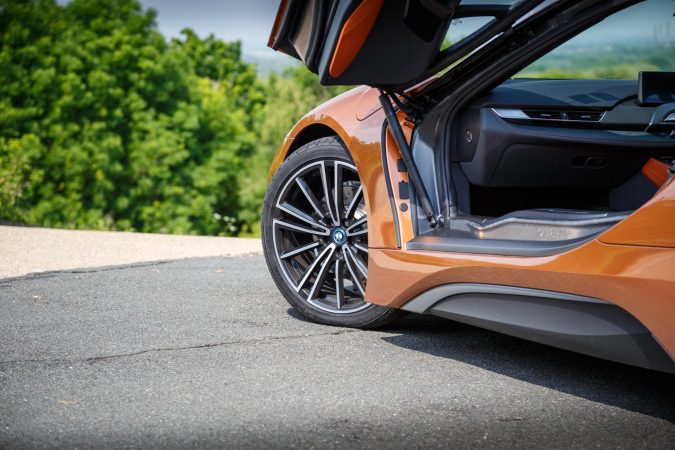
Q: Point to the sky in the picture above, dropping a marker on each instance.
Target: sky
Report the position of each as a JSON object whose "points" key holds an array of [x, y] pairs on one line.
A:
{"points": [[251, 20], [247, 20]]}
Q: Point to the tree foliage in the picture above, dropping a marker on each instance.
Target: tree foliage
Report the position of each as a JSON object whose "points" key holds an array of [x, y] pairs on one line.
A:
{"points": [[288, 97], [105, 125]]}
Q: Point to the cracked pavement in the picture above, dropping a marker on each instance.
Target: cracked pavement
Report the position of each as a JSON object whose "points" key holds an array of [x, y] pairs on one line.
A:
{"points": [[205, 353]]}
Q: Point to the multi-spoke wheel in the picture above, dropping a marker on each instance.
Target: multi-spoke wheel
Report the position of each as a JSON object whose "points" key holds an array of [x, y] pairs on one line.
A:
{"points": [[315, 236]]}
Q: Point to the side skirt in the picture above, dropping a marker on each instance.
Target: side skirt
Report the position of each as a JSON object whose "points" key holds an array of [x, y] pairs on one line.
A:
{"points": [[571, 322]]}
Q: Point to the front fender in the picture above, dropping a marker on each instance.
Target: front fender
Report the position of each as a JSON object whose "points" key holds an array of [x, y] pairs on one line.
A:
{"points": [[361, 133]]}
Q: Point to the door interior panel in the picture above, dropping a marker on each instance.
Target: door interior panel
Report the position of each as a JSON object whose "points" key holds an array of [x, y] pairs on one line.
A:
{"points": [[404, 40], [373, 42], [514, 154]]}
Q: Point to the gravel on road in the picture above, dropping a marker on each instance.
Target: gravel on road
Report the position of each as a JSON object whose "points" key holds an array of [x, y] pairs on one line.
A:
{"points": [[25, 250]]}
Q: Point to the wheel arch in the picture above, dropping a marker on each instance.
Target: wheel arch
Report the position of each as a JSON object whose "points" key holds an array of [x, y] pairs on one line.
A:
{"points": [[308, 129], [308, 134], [361, 137]]}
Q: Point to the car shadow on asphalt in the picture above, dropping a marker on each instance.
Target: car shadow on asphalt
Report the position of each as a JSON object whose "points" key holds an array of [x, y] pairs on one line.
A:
{"points": [[630, 388]]}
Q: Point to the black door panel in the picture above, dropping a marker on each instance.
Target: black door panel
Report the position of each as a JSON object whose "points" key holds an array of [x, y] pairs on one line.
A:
{"points": [[374, 42], [508, 154]]}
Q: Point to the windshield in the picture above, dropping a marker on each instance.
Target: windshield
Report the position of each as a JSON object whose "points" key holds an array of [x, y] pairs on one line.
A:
{"points": [[639, 38]]}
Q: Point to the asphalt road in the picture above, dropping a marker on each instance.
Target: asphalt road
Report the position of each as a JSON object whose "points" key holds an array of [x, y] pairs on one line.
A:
{"points": [[205, 353]]}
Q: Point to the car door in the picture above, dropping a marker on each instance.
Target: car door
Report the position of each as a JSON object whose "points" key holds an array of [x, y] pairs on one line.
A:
{"points": [[374, 42]]}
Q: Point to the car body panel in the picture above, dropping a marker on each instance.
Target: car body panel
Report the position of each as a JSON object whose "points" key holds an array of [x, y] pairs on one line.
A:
{"points": [[631, 265], [652, 225], [636, 278]]}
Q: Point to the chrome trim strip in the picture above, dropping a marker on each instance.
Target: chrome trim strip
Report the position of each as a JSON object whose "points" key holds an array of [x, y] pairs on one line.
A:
{"points": [[519, 114], [510, 113]]}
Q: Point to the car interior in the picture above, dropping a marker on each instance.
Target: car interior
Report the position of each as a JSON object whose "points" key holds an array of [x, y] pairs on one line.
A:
{"points": [[537, 166], [532, 166], [508, 139], [540, 166]]}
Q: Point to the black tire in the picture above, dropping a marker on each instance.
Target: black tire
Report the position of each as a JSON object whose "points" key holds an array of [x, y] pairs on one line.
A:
{"points": [[336, 261]]}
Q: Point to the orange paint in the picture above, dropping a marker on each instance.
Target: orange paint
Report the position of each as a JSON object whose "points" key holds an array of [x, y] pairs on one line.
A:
{"points": [[652, 225], [656, 171], [281, 12], [353, 35], [631, 265]]}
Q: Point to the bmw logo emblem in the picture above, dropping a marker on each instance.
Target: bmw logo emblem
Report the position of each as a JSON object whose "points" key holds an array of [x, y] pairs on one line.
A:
{"points": [[339, 235]]}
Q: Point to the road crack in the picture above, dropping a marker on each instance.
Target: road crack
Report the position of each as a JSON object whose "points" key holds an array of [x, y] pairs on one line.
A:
{"points": [[95, 359]]}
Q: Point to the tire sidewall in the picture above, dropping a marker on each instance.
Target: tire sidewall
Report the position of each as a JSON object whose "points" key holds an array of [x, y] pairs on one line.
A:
{"points": [[322, 149]]}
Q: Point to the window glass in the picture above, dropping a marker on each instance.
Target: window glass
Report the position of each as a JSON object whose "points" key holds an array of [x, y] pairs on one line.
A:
{"points": [[461, 28], [639, 38]]}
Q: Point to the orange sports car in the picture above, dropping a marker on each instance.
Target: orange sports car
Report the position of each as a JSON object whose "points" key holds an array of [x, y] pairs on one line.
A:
{"points": [[451, 184]]}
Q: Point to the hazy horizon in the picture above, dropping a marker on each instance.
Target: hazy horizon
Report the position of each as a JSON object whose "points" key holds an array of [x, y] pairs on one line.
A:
{"points": [[250, 22]]}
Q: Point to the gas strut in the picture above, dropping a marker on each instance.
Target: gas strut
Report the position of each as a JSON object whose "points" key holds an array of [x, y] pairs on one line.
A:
{"points": [[404, 148]]}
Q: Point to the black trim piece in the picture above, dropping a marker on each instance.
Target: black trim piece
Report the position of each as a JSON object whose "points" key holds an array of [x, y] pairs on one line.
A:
{"points": [[585, 325], [284, 27], [440, 9], [403, 191], [404, 149], [390, 190], [316, 37], [413, 212], [464, 11]]}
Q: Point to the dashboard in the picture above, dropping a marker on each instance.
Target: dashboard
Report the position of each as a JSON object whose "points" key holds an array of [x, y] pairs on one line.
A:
{"points": [[561, 133], [601, 104]]}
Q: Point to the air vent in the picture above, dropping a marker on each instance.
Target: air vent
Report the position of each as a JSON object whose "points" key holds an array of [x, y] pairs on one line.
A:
{"points": [[543, 114], [587, 116], [576, 116]]}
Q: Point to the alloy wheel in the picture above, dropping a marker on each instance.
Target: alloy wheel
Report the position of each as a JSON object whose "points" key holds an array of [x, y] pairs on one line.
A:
{"points": [[320, 234]]}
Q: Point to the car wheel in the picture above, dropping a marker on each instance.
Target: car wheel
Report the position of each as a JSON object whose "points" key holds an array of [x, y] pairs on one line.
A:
{"points": [[315, 237]]}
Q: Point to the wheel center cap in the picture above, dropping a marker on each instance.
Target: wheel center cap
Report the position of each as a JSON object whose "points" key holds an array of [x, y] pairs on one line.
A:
{"points": [[339, 235]]}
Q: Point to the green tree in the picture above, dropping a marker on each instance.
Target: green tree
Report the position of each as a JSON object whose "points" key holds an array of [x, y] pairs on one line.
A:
{"points": [[105, 125], [289, 96]]}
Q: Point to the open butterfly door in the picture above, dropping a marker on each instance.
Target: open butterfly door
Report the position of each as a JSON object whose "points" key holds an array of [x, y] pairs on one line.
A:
{"points": [[381, 43]]}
